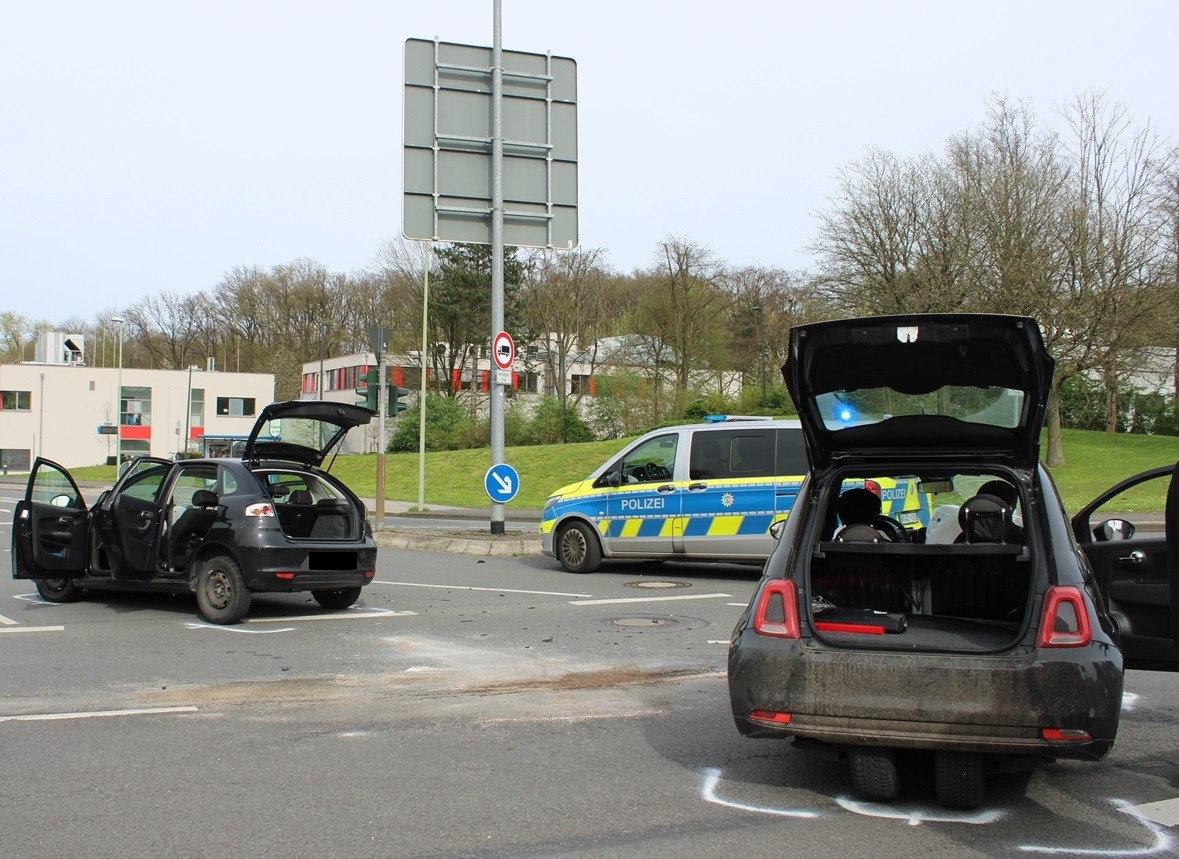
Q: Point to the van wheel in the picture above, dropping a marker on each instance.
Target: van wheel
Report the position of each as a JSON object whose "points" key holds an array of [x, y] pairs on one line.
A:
{"points": [[221, 593], [960, 779], [578, 549], [58, 590], [874, 773], [342, 598]]}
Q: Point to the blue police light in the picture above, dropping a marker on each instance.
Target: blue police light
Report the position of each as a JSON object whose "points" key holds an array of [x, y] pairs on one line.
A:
{"points": [[845, 415], [715, 419]]}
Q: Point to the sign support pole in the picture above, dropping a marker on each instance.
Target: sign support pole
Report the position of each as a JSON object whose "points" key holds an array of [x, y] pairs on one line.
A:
{"points": [[497, 249], [382, 409], [422, 387]]}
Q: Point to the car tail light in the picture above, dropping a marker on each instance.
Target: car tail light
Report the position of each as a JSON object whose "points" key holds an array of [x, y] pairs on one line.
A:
{"points": [[286, 576], [368, 574], [1069, 735], [1066, 621], [261, 509], [770, 717], [873, 487], [776, 613]]}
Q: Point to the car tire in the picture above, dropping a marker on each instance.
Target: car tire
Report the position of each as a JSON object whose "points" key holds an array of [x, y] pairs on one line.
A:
{"points": [[222, 595], [58, 590], [337, 599], [874, 773], [959, 779], [578, 549]]}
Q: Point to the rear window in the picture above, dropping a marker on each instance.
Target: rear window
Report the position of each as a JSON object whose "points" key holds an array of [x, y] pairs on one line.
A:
{"points": [[746, 452], [997, 407]]}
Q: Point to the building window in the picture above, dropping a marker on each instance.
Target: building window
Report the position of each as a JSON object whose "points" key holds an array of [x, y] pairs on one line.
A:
{"points": [[532, 351], [236, 406], [135, 408], [16, 401], [528, 382], [196, 408], [15, 459], [580, 384]]}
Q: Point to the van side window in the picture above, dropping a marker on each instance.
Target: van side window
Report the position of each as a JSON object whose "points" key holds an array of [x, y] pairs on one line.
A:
{"points": [[792, 459]]}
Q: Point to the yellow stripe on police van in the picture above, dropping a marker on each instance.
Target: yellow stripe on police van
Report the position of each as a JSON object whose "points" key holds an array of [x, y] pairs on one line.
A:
{"points": [[630, 528], [725, 526]]}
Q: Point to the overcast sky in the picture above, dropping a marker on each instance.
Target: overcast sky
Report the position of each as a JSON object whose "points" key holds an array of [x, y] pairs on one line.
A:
{"points": [[153, 146]]}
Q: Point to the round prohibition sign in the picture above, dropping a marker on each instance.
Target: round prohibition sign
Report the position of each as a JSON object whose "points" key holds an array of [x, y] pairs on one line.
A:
{"points": [[503, 350]]}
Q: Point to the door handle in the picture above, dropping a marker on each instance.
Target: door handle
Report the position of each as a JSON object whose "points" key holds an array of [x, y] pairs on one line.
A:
{"points": [[1135, 557], [697, 487], [666, 487]]}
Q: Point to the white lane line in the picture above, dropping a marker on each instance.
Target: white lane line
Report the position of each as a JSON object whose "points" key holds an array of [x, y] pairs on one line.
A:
{"points": [[1165, 811], [492, 590], [651, 599], [15, 629], [96, 714], [356, 615]]}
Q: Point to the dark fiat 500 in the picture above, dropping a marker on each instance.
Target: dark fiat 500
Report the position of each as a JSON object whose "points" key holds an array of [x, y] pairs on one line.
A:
{"points": [[985, 635], [224, 529]]}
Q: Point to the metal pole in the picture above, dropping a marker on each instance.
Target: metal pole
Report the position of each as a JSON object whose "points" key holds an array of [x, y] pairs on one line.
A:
{"points": [[422, 382], [497, 251], [118, 320], [188, 409], [761, 348], [322, 337], [382, 409]]}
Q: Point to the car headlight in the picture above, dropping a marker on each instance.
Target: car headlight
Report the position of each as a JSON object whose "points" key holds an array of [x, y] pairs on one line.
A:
{"points": [[551, 500]]}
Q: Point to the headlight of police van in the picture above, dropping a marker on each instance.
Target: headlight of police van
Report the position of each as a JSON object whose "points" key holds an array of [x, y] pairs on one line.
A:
{"points": [[551, 500]]}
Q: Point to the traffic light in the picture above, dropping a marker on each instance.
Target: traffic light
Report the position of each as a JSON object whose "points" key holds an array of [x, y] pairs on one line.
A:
{"points": [[397, 403], [371, 390]]}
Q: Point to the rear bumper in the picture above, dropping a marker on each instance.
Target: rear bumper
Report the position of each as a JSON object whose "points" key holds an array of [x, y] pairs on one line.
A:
{"points": [[280, 564], [999, 704]]}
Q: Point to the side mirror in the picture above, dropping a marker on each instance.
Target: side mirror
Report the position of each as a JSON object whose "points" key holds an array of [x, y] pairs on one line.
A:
{"points": [[1114, 529], [614, 478], [61, 501], [777, 528]]}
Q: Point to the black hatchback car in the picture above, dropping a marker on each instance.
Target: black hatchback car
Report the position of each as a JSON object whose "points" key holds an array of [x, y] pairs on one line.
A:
{"points": [[224, 529], [985, 634]]}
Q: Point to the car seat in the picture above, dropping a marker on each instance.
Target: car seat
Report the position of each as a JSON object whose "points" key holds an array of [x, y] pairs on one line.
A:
{"points": [[861, 507], [986, 519], [192, 526]]}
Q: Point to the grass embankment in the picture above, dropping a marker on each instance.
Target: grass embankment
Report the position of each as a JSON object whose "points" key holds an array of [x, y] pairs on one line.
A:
{"points": [[1096, 461]]}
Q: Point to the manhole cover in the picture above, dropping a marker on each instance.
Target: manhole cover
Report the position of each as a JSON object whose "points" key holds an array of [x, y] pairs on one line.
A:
{"points": [[656, 585], [642, 622]]}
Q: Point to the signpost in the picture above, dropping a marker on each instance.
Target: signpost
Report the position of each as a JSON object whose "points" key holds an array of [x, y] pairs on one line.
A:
{"points": [[503, 350], [490, 157], [501, 483]]}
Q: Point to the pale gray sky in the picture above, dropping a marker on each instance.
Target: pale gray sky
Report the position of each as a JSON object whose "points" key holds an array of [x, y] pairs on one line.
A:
{"points": [[152, 146]]}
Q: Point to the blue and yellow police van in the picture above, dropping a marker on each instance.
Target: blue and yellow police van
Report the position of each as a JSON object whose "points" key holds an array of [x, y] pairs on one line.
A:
{"points": [[706, 491]]}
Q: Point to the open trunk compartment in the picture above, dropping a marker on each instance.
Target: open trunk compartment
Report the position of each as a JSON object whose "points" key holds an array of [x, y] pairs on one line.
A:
{"points": [[960, 597]]}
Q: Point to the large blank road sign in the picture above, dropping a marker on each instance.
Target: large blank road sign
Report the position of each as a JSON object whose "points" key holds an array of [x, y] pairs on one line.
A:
{"points": [[448, 161]]}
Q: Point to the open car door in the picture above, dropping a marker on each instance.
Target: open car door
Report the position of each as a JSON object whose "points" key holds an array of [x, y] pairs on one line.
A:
{"points": [[49, 526], [1136, 560]]}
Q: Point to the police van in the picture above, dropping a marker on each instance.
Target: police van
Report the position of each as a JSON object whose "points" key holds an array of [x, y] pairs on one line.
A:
{"points": [[707, 491]]}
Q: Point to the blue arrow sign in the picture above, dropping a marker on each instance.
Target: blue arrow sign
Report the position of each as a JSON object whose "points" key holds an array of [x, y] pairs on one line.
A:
{"points": [[502, 483]]}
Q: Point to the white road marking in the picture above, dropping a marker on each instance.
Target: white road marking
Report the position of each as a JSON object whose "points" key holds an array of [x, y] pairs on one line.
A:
{"points": [[708, 793], [650, 599], [472, 588], [1162, 841], [1165, 812], [194, 625], [917, 814], [1129, 701], [355, 615], [15, 629], [717, 641], [7, 621], [96, 714]]}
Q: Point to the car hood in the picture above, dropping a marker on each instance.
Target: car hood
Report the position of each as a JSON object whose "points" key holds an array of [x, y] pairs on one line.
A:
{"points": [[303, 431], [920, 385]]}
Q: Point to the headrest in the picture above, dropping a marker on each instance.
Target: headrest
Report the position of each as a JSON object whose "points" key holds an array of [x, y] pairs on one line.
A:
{"points": [[299, 496], [204, 498], [985, 519], [858, 507]]}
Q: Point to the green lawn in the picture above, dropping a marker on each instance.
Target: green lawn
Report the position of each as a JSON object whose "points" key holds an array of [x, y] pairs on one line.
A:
{"points": [[1096, 460]]}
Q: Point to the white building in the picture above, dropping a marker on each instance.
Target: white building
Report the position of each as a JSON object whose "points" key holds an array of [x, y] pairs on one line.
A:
{"points": [[66, 411]]}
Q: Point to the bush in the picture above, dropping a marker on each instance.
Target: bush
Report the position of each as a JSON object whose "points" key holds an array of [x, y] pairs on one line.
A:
{"points": [[552, 424], [448, 427]]}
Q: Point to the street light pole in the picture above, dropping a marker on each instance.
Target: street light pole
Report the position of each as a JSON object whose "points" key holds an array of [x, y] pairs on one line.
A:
{"points": [[118, 320], [761, 349]]}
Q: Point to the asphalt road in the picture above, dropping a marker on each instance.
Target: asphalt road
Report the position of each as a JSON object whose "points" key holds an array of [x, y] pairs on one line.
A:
{"points": [[474, 706]]}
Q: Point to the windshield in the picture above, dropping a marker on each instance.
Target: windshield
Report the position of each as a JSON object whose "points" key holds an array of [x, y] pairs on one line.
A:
{"points": [[997, 407]]}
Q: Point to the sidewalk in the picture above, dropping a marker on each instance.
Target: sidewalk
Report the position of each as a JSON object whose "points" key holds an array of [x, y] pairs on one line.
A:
{"points": [[520, 537]]}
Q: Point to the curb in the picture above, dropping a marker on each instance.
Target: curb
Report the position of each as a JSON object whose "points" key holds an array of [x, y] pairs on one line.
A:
{"points": [[506, 546]]}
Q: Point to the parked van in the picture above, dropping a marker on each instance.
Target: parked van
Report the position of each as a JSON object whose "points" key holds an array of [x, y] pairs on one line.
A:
{"points": [[693, 492]]}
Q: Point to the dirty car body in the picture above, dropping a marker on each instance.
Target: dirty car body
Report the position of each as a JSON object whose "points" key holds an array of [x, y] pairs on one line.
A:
{"points": [[223, 529], [987, 640]]}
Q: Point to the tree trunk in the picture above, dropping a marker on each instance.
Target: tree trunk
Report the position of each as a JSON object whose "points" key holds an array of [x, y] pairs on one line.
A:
{"points": [[1111, 399], [1054, 458]]}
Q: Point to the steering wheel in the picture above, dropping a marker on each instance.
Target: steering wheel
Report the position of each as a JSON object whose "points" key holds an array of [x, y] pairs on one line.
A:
{"points": [[658, 472]]}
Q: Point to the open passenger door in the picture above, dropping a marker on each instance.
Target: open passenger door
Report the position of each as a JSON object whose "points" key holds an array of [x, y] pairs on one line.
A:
{"points": [[49, 526], [1137, 565]]}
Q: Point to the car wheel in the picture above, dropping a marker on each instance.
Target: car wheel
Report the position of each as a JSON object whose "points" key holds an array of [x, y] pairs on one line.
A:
{"points": [[222, 595], [874, 773], [342, 598], [578, 548], [960, 779], [58, 590]]}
